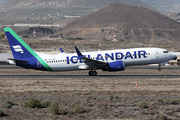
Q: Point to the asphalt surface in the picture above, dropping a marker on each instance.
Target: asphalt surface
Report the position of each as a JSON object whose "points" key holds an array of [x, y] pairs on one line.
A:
{"points": [[127, 67], [98, 76]]}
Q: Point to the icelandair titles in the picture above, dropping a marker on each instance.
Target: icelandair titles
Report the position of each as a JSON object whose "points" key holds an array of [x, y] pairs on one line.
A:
{"points": [[112, 56]]}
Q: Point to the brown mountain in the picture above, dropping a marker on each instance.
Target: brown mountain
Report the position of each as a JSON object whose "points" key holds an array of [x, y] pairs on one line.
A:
{"points": [[68, 3], [18, 11], [127, 22]]}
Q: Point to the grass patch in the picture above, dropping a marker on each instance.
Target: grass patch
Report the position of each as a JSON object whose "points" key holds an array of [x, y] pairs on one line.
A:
{"points": [[161, 117], [104, 107], [167, 101], [62, 110], [111, 97], [32, 103], [46, 103], [56, 109], [142, 104], [8, 103], [2, 113], [78, 109]]}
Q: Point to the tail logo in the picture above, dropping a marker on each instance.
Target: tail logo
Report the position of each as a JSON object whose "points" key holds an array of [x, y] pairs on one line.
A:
{"points": [[18, 48]]}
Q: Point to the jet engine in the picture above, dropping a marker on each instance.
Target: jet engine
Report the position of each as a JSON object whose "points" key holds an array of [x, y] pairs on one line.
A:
{"points": [[115, 66]]}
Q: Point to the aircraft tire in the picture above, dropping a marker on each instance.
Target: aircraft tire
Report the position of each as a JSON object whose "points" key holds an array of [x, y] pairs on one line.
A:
{"points": [[92, 73], [159, 69]]}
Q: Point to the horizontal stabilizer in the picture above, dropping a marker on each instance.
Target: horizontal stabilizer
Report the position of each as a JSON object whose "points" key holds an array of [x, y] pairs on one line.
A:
{"points": [[16, 60]]}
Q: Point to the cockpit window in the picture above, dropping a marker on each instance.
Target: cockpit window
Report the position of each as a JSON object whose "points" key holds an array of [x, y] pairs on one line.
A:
{"points": [[166, 51]]}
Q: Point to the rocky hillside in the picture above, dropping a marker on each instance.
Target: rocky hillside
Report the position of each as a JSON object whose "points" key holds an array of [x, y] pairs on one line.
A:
{"points": [[68, 3], [129, 23], [45, 11]]}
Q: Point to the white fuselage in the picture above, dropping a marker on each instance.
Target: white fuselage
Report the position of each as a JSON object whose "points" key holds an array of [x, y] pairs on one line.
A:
{"points": [[131, 57]]}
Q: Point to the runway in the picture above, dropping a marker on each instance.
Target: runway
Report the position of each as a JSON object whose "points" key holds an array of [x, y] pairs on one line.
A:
{"points": [[127, 67], [87, 76], [95, 77]]}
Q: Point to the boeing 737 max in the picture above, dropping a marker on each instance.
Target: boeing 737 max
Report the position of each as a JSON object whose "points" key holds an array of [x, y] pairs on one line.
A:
{"points": [[111, 60]]}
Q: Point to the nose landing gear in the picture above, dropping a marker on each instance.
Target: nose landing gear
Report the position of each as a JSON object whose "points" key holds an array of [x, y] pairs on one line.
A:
{"points": [[159, 68], [92, 73]]}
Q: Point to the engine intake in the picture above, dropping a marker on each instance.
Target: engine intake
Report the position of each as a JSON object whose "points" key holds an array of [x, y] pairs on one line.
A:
{"points": [[115, 66]]}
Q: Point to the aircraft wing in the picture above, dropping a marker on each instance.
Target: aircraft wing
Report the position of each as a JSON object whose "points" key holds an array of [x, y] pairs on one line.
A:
{"points": [[90, 62]]}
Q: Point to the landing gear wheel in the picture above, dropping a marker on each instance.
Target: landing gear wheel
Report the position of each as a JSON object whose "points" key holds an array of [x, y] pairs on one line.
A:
{"points": [[92, 73], [159, 69]]}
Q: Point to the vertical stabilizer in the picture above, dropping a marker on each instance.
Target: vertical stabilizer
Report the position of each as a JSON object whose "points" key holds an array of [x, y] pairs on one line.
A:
{"points": [[18, 47], [21, 51]]}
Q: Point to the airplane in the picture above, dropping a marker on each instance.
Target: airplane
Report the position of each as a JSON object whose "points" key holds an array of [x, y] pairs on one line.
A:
{"points": [[109, 60]]}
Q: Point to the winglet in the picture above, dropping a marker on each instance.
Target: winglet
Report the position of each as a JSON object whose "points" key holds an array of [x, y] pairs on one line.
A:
{"points": [[79, 53], [61, 50]]}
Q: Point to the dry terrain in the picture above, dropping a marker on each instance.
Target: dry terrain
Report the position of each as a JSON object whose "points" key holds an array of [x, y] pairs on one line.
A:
{"points": [[52, 45], [101, 98]]}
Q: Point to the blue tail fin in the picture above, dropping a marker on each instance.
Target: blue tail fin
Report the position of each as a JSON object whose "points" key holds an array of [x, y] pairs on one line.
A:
{"points": [[21, 51], [18, 47]]}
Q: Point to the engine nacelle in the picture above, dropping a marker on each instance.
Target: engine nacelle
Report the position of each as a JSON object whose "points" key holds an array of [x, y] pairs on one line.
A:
{"points": [[115, 66]]}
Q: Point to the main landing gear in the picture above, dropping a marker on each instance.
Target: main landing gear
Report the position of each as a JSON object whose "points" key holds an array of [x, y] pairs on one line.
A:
{"points": [[159, 69], [92, 73]]}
